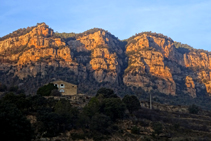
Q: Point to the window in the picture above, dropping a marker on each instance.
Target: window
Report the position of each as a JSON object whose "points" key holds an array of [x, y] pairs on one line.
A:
{"points": [[61, 85], [61, 90]]}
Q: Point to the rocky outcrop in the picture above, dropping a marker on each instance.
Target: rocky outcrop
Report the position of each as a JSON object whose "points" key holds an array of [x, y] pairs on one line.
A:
{"points": [[36, 37], [190, 86], [104, 63], [146, 67], [197, 60], [148, 60]]}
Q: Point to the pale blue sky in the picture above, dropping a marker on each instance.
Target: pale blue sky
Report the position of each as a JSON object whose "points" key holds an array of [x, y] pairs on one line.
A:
{"points": [[186, 21]]}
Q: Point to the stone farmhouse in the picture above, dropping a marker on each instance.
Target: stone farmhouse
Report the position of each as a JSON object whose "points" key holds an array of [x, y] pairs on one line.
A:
{"points": [[65, 88], [69, 92]]}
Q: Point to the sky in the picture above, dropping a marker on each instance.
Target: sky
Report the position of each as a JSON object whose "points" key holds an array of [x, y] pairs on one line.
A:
{"points": [[185, 21]]}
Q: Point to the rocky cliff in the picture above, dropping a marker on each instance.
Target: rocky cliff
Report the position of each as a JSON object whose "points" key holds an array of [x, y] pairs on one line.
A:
{"points": [[146, 67], [147, 62]]}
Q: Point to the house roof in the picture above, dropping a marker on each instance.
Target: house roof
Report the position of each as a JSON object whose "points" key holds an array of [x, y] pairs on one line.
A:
{"points": [[59, 80]]}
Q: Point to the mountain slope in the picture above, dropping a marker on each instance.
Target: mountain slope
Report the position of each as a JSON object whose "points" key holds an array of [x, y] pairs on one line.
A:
{"points": [[146, 62]]}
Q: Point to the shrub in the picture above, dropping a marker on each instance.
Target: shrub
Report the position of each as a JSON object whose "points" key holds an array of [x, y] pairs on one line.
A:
{"points": [[3, 87], [113, 107], [193, 109], [76, 136], [14, 125], [13, 88], [135, 130], [46, 89], [132, 103], [106, 93], [100, 123], [157, 127]]}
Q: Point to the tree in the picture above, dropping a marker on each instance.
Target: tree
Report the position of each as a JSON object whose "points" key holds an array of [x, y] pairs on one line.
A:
{"points": [[135, 130], [48, 124], [37, 102], [68, 114], [100, 123], [63, 106], [193, 109], [132, 103], [113, 107], [14, 125], [13, 88], [55, 92], [106, 93], [3, 87], [19, 100], [92, 107], [158, 128], [46, 89]]}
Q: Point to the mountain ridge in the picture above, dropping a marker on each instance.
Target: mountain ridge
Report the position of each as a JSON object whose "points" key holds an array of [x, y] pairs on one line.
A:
{"points": [[144, 63]]}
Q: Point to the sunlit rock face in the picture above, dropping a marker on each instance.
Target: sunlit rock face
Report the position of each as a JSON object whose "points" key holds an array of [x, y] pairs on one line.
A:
{"points": [[104, 52], [146, 67], [190, 86], [96, 58]]}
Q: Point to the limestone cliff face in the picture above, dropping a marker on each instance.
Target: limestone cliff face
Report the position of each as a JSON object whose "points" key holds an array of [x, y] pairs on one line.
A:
{"points": [[198, 60], [146, 67], [37, 37], [190, 86], [35, 52], [148, 60], [104, 51]]}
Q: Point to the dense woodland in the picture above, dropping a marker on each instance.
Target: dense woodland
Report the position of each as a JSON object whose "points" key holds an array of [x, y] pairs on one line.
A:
{"points": [[101, 119]]}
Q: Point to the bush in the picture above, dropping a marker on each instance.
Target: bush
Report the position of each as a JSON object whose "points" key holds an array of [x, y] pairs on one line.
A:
{"points": [[100, 123], [19, 100], [14, 125], [135, 130], [106, 93], [132, 103], [46, 89], [113, 107], [13, 89], [193, 109], [157, 127], [76, 136], [92, 107], [49, 123], [55, 92], [3, 87]]}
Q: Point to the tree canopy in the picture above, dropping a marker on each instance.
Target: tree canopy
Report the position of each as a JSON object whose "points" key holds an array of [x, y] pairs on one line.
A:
{"points": [[132, 103], [46, 89]]}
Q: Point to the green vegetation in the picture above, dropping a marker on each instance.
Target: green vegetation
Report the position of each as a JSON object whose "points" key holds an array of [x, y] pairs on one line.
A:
{"points": [[180, 45], [135, 130], [132, 103], [104, 116], [158, 128], [183, 48], [65, 35], [14, 125], [46, 89], [56, 116], [106, 93], [193, 109], [3, 87]]}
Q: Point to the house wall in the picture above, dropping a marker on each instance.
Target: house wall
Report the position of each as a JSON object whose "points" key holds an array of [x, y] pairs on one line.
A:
{"points": [[68, 88]]}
